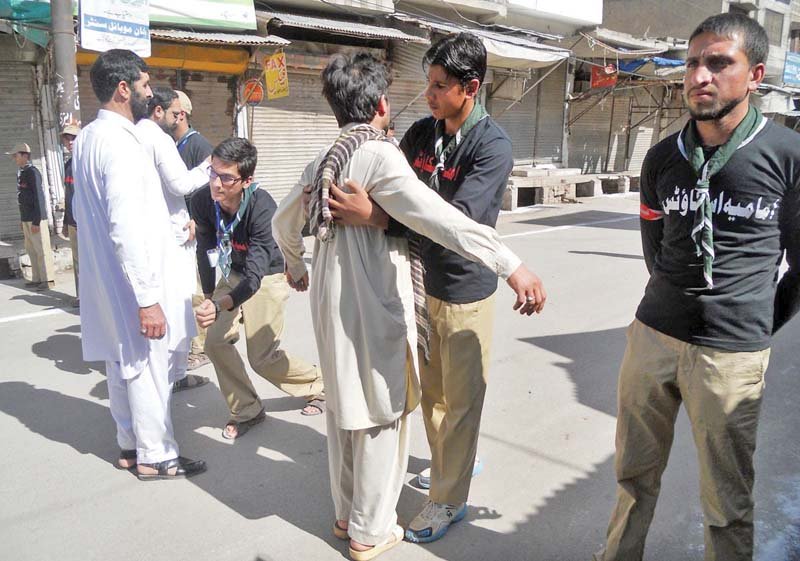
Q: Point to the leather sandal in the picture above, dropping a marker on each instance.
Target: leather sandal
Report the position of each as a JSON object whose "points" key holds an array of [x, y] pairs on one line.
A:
{"points": [[126, 455], [184, 467], [243, 426]]}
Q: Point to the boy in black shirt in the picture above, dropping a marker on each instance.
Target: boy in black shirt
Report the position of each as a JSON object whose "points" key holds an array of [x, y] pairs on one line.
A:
{"points": [[719, 207], [234, 233]]}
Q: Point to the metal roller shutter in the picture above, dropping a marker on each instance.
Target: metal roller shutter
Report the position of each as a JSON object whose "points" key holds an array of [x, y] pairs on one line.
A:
{"points": [[550, 116], [519, 122], [89, 103], [289, 133], [588, 140], [642, 135], [408, 81], [18, 123], [212, 104]]}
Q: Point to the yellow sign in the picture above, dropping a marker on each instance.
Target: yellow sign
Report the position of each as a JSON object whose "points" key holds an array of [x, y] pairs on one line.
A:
{"points": [[277, 77]]}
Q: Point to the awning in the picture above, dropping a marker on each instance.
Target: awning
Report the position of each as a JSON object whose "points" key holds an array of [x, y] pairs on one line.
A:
{"points": [[337, 27], [600, 43], [504, 51], [216, 38]]}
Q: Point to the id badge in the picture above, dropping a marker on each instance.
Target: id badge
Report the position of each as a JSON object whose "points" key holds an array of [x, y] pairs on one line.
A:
{"points": [[213, 257]]}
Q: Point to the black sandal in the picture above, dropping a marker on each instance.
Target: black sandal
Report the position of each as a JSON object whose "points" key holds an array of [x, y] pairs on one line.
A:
{"points": [[243, 426], [126, 455], [185, 468]]}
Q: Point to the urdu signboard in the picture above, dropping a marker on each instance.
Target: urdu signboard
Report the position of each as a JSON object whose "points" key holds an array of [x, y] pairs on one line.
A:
{"points": [[791, 69]]}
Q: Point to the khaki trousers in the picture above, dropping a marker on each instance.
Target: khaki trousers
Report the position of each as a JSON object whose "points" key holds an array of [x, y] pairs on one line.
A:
{"points": [[199, 340], [453, 387], [263, 327], [72, 231], [37, 246], [722, 393], [367, 471]]}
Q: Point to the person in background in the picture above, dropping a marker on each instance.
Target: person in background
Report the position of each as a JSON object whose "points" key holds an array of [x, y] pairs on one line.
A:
{"points": [[70, 227], [33, 216], [193, 149]]}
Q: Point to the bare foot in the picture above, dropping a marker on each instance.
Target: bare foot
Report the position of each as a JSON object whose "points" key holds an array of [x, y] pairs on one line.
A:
{"points": [[343, 524], [126, 463], [146, 470]]}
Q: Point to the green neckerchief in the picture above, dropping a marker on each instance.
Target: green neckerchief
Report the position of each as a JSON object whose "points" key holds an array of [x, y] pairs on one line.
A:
{"points": [[703, 229], [443, 152]]}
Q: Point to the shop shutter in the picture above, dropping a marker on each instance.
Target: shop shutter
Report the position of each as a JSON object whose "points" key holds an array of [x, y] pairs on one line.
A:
{"points": [[642, 135], [408, 81], [18, 123], [550, 116], [89, 102], [519, 122], [212, 104], [588, 139], [289, 133]]}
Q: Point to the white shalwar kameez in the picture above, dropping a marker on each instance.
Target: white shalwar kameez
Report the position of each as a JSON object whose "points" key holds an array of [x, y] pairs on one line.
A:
{"points": [[176, 182], [127, 262], [362, 306]]}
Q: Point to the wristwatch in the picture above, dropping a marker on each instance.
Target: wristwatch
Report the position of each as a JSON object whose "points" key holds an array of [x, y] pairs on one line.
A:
{"points": [[217, 310]]}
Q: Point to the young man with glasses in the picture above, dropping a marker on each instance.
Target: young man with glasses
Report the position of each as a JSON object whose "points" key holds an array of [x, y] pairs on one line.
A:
{"points": [[234, 234]]}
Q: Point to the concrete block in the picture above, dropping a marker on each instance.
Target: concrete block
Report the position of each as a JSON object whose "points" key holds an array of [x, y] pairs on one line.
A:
{"points": [[591, 188], [509, 198], [529, 172], [564, 171], [615, 183]]}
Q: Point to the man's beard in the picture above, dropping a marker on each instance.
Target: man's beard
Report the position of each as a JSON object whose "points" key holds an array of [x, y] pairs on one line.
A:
{"points": [[713, 113], [138, 106], [169, 129]]}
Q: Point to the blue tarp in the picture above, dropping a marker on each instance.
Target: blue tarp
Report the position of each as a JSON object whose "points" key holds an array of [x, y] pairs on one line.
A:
{"points": [[634, 65]]}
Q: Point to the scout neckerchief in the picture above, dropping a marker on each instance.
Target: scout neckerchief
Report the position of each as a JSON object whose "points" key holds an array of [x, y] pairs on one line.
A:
{"points": [[443, 151], [705, 169], [224, 232], [186, 137]]}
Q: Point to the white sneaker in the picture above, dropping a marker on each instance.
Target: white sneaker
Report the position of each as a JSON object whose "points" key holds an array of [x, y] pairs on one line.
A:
{"points": [[424, 477], [434, 520]]}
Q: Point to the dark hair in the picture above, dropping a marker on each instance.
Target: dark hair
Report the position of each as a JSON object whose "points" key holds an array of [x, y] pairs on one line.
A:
{"points": [[239, 151], [751, 35], [162, 97], [353, 86], [113, 67], [462, 55]]}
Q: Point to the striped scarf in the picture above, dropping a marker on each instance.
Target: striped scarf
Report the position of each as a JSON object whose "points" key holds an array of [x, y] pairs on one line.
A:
{"points": [[322, 226]]}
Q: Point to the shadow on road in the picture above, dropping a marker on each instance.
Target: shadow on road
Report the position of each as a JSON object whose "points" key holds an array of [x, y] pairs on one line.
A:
{"points": [[593, 218]]}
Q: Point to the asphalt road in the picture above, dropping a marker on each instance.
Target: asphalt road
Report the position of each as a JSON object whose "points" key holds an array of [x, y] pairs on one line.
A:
{"points": [[546, 440]]}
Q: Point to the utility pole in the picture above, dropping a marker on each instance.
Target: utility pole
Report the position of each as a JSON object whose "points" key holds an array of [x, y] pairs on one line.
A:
{"points": [[66, 70]]}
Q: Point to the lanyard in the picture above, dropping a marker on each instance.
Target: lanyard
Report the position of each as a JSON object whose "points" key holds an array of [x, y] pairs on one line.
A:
{"points": [[183, 140]]}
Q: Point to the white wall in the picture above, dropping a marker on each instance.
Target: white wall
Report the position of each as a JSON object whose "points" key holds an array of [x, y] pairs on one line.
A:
{"points": [[580, 12]]}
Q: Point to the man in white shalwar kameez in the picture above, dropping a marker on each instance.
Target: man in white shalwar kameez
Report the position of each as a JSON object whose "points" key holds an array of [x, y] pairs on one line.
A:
{"points": [[128, 253], [362, 304], [176, 183]]}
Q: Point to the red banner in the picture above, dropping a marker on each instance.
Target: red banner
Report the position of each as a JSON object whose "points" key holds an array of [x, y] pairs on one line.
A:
{"points": [[604, 76]]}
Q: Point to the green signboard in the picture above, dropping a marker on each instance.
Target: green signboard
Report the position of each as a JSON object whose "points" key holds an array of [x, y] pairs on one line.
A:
{"points": [[204, 14]]}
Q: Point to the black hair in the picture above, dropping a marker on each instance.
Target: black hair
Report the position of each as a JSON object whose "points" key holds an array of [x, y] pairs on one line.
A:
{"points": [[239, 151], [462, 55], [162, 97], [751, 35], [113, 67], [353, 86]]}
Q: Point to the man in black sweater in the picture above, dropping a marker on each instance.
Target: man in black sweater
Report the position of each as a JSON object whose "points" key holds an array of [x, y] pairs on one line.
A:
{"points": [[34, 219], [234, 234], [719, 209]]}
